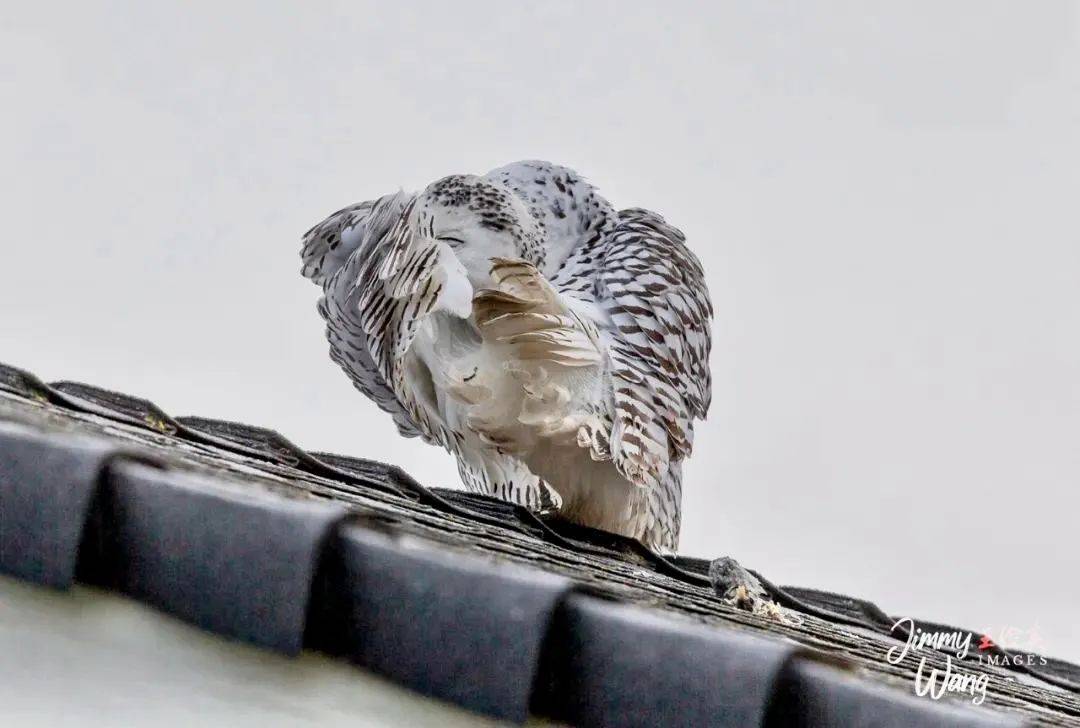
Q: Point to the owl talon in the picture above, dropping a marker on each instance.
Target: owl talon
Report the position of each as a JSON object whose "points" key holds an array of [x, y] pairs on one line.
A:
{"points": [[550, 501]]}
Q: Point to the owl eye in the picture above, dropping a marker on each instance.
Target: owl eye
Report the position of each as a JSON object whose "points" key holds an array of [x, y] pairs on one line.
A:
{"points": [[454, 242]]}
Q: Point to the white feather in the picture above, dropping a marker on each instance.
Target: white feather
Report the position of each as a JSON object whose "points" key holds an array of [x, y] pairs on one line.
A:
{"points": [[557, 347]]}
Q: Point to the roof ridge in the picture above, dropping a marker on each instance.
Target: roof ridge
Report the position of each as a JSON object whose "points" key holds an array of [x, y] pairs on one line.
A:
{"points": [[268, 444]]}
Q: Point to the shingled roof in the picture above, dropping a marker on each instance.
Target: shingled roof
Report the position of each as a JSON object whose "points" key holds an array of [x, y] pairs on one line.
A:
{"points": [[460, 597]]}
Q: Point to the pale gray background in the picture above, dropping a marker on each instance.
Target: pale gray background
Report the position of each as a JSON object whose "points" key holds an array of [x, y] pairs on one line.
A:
{"points": [[883, 195]]}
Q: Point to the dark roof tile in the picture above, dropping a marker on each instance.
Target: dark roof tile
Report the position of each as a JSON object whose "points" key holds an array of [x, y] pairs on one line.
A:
{"points": [[47, 485], [467, 630], [239, 564]]}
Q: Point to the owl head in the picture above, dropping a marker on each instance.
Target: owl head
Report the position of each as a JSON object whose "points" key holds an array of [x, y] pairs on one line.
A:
{"points": [[479, 219]]}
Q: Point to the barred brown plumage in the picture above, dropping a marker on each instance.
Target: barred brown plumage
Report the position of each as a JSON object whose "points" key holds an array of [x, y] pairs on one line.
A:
{"points": [[558, 347]]}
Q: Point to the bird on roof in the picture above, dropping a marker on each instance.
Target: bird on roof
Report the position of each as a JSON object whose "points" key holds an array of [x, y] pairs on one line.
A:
{"points": [[557, 346]]}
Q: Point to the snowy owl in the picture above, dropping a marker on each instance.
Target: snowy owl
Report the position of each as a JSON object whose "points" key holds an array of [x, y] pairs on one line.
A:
{"points": [[558, 347]]}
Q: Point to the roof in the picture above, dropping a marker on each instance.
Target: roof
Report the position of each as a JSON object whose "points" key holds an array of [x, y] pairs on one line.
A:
{"points": [[460, 597]]}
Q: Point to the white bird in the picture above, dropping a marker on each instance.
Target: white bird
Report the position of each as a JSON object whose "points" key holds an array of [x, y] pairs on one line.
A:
{"points": [[556, 346]]}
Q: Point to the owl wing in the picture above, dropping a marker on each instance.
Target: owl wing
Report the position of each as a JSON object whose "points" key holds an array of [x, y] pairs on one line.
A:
{"points": [[652, 288], [327, 246], [383, 273], [381, 277]]}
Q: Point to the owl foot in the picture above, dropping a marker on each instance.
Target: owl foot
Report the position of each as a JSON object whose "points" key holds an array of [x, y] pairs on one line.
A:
{"points": [[550, 501]]}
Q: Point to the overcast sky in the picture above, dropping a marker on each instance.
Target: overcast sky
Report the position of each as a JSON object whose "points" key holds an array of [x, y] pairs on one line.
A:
{"points": [[884, 196]]}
